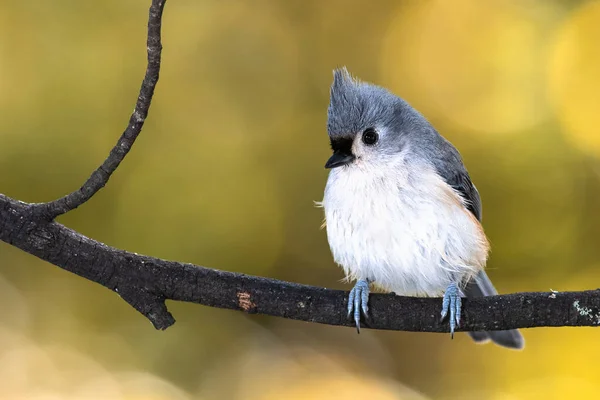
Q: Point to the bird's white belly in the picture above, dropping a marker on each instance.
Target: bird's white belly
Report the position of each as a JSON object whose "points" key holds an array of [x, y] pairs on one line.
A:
{"points": [[411, 234]]}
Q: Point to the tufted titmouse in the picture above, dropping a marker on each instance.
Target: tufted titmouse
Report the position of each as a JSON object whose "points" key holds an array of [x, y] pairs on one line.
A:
{"points": [[400, 209]]}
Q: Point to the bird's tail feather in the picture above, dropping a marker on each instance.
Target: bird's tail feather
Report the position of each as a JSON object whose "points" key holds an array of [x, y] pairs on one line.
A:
{"points": [[511, 338], [482, 286]]}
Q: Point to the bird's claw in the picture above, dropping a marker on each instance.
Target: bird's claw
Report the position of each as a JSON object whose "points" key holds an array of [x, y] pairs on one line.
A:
{"points": [[359, 300], [452, 304]]}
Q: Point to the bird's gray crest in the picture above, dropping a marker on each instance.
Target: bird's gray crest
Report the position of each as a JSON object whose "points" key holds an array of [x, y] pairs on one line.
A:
{"points": [[356, 105]]}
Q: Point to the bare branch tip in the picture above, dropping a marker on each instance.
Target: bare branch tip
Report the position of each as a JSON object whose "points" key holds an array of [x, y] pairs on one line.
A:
{"points": [[150, 305]]}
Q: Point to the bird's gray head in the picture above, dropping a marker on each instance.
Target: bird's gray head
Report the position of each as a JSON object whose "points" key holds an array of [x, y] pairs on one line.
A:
{"points": [[366, 122]]}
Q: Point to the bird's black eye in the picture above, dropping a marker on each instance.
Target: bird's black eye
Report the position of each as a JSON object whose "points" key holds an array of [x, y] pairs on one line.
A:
{"points": [[370, 137]]}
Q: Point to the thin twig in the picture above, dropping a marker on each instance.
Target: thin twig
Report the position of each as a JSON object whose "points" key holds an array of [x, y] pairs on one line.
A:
{"points": [[100, 176]]}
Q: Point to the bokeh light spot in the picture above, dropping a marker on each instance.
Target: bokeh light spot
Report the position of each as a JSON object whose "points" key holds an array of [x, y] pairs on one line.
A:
{"points": [[480, 70], [574, 77]]}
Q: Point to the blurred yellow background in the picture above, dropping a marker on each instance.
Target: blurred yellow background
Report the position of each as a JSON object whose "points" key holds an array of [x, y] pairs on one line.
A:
{"points": [[231, 159]]}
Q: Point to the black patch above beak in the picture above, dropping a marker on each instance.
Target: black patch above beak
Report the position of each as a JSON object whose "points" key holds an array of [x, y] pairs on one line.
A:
{"points": [[338, 159]]}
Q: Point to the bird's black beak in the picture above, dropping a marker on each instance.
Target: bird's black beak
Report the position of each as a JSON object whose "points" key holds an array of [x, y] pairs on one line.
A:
{"points": [[338, 159]]}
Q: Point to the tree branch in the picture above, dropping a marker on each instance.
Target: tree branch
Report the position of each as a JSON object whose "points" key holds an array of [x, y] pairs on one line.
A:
{"points": [[146, 282], [100, 176]]}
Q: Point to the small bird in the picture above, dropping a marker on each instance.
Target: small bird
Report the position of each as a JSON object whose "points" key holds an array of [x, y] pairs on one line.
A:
{"points": [[401, 211]]}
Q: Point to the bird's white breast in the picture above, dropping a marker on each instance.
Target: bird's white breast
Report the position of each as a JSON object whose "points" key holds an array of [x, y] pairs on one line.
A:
{"points": [[402, 227]]}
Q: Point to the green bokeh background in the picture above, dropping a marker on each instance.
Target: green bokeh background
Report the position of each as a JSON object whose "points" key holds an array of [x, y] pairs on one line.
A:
{"points": [[229, 164]]}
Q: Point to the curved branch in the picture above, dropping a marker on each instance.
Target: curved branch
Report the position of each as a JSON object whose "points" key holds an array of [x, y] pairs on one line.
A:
{"points": [[102, 174], [146, 282]]}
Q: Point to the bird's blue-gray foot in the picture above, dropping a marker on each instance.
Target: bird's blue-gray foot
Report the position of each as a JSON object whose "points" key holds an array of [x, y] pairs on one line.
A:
{"points": [[451, 304], [359, 300]]}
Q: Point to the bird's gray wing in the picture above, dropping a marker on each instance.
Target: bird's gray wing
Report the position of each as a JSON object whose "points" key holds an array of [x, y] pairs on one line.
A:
{"points": [[449, 165], [452, 170], [461, 182]]}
